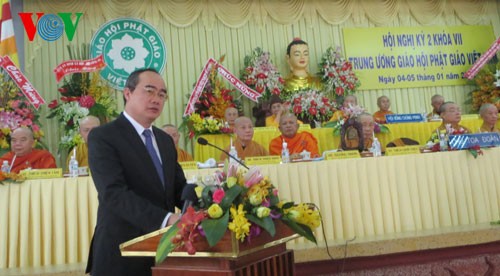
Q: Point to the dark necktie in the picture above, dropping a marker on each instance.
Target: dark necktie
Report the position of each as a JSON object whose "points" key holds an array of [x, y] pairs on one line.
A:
{"points": [[152, 152]]}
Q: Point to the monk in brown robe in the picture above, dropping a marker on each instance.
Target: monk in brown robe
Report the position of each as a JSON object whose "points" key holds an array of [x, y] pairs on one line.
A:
{"points": [[383, 104], [244, 145], [182, 155], [489, 114], [23, 155], [451, 114], [297, 142], [436, 102]]}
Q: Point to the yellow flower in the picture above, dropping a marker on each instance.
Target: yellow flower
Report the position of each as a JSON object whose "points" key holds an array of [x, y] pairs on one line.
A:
{"points": [[6, 131], [303, 214], [263, 212], [198, 190], [255, 199], [215, 211], [240, 225]]}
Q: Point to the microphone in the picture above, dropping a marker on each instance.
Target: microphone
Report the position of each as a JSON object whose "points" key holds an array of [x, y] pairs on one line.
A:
{"points": [[202, 141], [188, 196]]}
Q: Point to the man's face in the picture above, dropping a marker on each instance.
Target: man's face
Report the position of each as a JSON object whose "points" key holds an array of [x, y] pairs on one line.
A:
{"points": [[146, 102], [244, 130], [349, 101], [288, 126], [367, 125], [385, 104], [452, 114], [86, 127], [436, 103], [299, 57], [172, 131], [21, 142], [276, 108], [230, 115], [490, 115]]}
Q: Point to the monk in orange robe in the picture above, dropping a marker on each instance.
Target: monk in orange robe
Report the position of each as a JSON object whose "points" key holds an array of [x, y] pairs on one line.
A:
{"points": [[489, 114], [182, 155], [383, 104], [23, 156], [244, 145], [297, 142]]}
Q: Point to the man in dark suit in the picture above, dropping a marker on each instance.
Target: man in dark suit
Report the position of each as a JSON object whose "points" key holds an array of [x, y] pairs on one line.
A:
{"points": [[138, 181]]}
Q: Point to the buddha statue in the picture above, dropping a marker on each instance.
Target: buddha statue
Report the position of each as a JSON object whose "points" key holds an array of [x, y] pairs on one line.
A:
{"points": [[297, 55]]}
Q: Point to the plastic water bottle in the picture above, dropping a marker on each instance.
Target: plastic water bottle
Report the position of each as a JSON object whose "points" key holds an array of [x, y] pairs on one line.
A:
{"points": [[376, 148], [285, 154], [443, 144], [73, 167], [234, 153], [5, 167]]}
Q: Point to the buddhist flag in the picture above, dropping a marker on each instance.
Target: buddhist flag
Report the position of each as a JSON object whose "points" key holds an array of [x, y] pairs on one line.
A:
{"points": [[7, 38]]}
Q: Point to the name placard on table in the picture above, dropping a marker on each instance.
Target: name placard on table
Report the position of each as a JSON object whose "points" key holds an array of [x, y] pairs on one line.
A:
{"points": [[342, 155], [263, 160], [404, 118], [402, 150], [189, 165], [42, 173], [465, 141]]}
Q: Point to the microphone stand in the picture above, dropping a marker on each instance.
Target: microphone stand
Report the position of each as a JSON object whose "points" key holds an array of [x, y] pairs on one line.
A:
{"points": [[203, 142]]}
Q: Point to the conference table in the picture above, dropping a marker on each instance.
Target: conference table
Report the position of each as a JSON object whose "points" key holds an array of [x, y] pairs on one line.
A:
{"points": [[419, 131], [51, 221]]}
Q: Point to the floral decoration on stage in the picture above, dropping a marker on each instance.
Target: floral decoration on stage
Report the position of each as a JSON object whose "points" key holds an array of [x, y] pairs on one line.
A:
{"points": [[486, 89], [337, 75], [343, 114], [210, 107], [311, 105], [241, 201], [15, 111], [261, 74], [81, 94], [11, 178]]}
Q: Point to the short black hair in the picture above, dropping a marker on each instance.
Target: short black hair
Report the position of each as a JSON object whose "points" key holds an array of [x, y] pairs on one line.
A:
{"points": [[133, 79], [296, 41]]}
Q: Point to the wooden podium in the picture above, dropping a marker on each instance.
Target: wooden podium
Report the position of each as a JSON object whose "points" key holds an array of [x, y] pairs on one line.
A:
{"points": [[264, 255]]}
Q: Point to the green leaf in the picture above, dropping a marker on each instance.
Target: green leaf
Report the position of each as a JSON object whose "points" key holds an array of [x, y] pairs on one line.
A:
{"points": [[229, 197], [215, 228], [165, 245], [288, 205], [267, 223], [300, 229]]}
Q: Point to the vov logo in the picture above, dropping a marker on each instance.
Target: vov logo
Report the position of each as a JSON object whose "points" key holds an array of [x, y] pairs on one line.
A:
{"points": [[50, 27]]}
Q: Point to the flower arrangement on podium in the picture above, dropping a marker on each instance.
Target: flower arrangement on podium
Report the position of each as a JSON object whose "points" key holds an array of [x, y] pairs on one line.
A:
{"points": [[337, 75], [242, 202], [261, 74], [311, 105], [15, 111], [210, 107]]}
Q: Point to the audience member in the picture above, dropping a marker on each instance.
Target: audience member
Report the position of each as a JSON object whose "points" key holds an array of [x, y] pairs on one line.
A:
{"points": [[436, 102], [182, 155], [86, 124], [243, 143], [297, 142], [230, 115], [451, 114], [276, 105], [23, 155], [349, 101], [489, 114], [383, 104]]}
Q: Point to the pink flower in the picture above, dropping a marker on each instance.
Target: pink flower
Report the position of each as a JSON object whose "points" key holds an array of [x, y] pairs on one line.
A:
{"points": [[86, 101], [35, 127], [218, 196], [253, 177], [15, 104]]}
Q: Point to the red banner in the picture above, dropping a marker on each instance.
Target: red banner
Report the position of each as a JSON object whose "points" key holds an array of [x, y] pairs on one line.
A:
{"points": [[78, 66], [202, 81], [483, 59], [22, 82]]}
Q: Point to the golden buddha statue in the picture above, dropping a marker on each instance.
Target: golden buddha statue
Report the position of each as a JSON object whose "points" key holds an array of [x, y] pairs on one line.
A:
{"points": [[297, 55]]}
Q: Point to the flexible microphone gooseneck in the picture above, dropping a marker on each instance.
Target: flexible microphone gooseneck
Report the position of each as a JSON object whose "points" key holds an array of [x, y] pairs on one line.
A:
{"points": [[202, 141], [188, 196]]}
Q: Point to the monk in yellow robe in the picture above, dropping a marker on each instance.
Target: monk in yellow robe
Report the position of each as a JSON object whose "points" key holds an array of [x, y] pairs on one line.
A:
{"points": [[182, 155], [244, 145], [489, 114], [383, 104], [230, 114], [86, 124], [368, 131], [349, 101], [277, 108], [436, 102], [451, 114], [23, 155], [297, 55], [297, 142]]}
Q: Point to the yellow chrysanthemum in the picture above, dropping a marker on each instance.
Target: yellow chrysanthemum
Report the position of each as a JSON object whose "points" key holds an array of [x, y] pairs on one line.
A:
{"points": [[239, 225], [303, 214]]}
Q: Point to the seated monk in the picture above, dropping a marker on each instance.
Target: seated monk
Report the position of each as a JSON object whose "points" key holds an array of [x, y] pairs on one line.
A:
{"points": [[243, 143], [86, 124], [230, 115], [383, 104], [277, 108], [451, 115], [489, 114], [23, 155], [182, 155], [297, 142], [436, 102], [368, 131], [349, 101]]}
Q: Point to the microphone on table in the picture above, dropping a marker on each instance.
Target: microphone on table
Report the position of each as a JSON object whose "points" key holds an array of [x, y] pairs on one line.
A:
{"points": [[188, 196], [202, 141]]}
